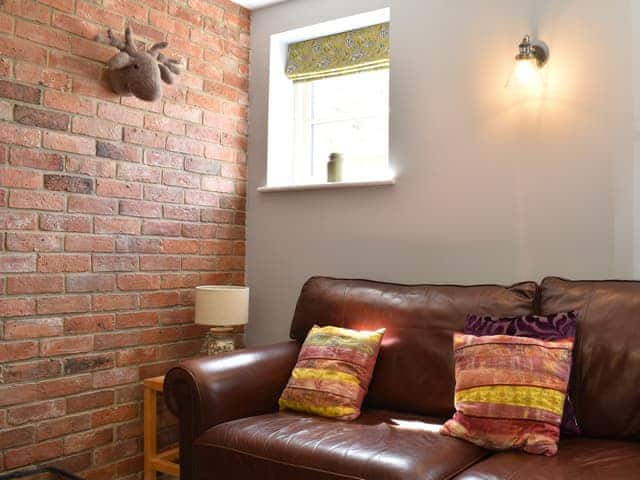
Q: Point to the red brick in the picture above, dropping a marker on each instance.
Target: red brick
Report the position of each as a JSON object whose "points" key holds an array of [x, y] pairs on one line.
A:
{"points": [[62, 387], [159, 262], [65, 5], [168, 23], [15, 394], [25, 136], [15, 178], [65, 223], [208, 69], [129, 8], [17, 263], [160, 335], [30, 371], [84, 441], [67, 345], [36, 411], [69, 143], [118, 414], [18, 220], [64, 304], [33, 242], [163, 159], [114, 302], [16, 437], [115, 263], [136, 319], [116, 376], [89, 243], [218, 152], [138, 281], [116, 451], [159, 299], [181, 316], [137, 356], [201, 165], [200, 263], [217, 215], [94, 127], [231, 232], [218, 184], [55, 263], [101, 206], [88, 363], [6, 23], [88, 324], [89, 401], [22, 157], [144, 137], [158, 193], [116, 225], [138, 244], [32, 328], [179, 280], [73, 64], [90, 49], [23, 50], [69, 102], [199, 230], [35, 284], [109, 341], [63, 426], [39, 34], [161, 227], [183, 13], [206, 199], [164, 124], [13, 352], [68, 183], [182, 112], [27, 9], [95, 167], [90, 283], [116, 188], [91, 12], [75, 25], [180, 349], [139, 173], [120, 114], [28, 455], [227, 263], [181, 213], [136, 208]]}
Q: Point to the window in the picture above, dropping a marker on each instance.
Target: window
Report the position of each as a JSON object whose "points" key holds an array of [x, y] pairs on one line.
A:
{"points": [[329, 93], [347, 114]]}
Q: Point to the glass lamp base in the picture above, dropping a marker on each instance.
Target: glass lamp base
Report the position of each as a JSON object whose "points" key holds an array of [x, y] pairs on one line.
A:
{"points": [[222, 339]]}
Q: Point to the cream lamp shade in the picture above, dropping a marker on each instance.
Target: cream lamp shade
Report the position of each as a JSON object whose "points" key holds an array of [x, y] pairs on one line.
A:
{"points": [[221, 305]]}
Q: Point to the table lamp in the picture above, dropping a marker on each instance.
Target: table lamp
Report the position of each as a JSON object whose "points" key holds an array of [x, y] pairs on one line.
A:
{"points": [[224, 309]]}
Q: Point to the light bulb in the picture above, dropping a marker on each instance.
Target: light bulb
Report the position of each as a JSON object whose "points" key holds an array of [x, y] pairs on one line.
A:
{"points": [[527, 76]]}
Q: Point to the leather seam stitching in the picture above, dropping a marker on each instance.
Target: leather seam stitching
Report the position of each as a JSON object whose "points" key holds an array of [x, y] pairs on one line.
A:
{"points": [[222, 447]]}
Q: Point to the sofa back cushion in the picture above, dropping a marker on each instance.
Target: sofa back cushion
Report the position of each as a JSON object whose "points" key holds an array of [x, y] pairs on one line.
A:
{"points": [[415, 368], [605, 386]]}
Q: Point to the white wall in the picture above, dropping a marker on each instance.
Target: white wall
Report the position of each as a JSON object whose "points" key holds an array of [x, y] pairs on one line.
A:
{"points": [[490, 188]]}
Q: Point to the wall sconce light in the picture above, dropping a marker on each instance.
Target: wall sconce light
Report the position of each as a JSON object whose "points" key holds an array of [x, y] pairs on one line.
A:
{"points": [[528, 72]]}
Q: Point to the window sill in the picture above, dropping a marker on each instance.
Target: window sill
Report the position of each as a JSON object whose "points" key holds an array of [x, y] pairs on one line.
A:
{"points": [[326, 186]]}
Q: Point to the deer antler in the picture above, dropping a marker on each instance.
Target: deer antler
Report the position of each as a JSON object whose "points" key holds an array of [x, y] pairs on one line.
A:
{"points": [[113, 40], [171, 63]]}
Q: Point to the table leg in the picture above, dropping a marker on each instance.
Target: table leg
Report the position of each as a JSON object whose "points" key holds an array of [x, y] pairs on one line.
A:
{"points": [[150, 431]]}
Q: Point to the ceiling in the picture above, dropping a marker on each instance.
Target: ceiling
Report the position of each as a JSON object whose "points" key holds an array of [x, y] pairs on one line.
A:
{"points": [[252, 4]]}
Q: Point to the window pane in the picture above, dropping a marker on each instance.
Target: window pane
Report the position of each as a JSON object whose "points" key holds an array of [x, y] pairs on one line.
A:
{"points": [[363, 143], [358, 95]]}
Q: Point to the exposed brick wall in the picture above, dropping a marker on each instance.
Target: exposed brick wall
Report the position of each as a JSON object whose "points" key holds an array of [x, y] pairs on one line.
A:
{"points": [[111, 210]]}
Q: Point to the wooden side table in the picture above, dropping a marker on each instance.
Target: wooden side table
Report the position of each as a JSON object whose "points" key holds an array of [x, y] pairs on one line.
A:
{"points": [[165, 462]]}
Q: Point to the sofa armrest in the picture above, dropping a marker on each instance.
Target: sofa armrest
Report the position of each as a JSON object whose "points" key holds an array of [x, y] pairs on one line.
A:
{"points": [[205, 392]]}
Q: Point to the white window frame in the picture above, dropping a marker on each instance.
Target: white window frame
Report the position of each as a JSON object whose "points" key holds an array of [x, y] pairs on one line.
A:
{"points": [[283, 169]]}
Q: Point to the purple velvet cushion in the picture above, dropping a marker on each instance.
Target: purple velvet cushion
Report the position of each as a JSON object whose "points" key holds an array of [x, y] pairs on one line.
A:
{"points": [[552, 327]]}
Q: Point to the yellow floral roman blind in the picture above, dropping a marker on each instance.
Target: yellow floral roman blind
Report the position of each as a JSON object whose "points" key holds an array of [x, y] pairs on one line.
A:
{"points": [[340, 54]]}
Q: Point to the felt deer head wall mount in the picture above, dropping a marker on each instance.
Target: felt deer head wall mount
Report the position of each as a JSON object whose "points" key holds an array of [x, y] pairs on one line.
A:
{"points": [[136, 72]]}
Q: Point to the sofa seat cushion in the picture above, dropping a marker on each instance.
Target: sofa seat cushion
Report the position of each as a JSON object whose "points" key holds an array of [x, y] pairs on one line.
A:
{"points": [[380, 445], [577, 458]]}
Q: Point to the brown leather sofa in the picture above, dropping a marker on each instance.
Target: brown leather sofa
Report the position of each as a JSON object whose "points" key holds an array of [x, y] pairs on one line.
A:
{"points": [[230, 427]]}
